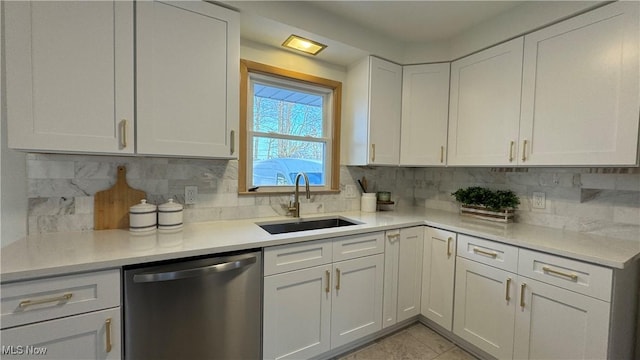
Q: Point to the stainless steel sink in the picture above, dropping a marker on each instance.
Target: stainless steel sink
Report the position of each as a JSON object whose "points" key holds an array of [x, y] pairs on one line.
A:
{"points": [[306, 224]]}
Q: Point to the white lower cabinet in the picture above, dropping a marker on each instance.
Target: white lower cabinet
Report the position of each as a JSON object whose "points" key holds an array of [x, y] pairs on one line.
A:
{"points": [[95, 335], [66, 317], [438, 273], [485, 307], [402, 275], [521, 304], [554, 323], [313, 308]]}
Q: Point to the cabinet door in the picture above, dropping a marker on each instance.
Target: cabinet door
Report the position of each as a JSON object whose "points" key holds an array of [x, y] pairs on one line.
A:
{"points": [[94, 335], [484, 109], [554, 323], [580, 103], [438, 272], [390, 282], [410, 272], [385, 101], [293, 299], [356, 308], [425, 114], [187, 79], [485, 307], [69, 78]]}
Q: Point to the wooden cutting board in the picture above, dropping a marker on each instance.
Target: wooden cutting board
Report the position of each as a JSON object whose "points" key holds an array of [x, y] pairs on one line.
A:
{"points": [[111, 207]]}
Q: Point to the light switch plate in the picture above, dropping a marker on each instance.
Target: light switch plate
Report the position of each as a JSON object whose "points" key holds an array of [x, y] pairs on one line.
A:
{"points": [[350, 191], [190, 194], [539, 200]]}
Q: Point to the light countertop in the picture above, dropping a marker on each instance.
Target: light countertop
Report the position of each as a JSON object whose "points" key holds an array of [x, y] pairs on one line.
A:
{"points": [[62, 253]]}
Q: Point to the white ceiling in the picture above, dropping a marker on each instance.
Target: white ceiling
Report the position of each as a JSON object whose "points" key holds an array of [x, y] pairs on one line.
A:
{"points": [[415, 21]]}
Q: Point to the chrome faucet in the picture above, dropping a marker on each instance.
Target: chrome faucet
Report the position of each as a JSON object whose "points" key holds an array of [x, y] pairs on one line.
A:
{"points": [[294, 209]]}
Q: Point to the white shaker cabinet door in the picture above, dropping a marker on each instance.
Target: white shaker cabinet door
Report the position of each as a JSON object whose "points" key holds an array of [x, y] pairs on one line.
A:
{"points": [[356, 307], [385, 94], [484, 108], [390, 281], [555, 323], [485, 304], [581, 86], [95, 335], [425, 110], [297, 313], [187, 79], [438, 273], [410, 272], [69, 78]]}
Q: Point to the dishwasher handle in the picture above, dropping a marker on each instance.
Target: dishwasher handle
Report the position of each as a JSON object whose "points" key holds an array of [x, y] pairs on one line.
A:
{"points": [[195, 272]]}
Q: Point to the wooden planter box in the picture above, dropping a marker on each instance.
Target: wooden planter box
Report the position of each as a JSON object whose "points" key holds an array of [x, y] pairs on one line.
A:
{"points": [[481, 212]]}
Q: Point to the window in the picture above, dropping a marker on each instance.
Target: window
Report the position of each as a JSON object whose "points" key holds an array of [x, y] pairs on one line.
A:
{"points": [[290, 123]]}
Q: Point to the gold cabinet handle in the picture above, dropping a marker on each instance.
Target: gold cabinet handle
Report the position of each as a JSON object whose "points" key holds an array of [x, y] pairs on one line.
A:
{"points": [[572, 277], [123, 133], [107, 324], [328, 288], [449, 241], [522, 288], [65, 297], [511, 150], [373, 152], [393, 237], [524, 150], [508, 290], [486, 253], [337, 279], [441, 154], [232, 141]]}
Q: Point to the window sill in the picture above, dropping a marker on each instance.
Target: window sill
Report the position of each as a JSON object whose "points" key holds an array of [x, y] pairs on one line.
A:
{"points": [[288, 192]]}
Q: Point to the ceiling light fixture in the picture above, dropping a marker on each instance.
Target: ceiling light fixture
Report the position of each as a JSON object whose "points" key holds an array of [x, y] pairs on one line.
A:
{"points": [[305, 45]]}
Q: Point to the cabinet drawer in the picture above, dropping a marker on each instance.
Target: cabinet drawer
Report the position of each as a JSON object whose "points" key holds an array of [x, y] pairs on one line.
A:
{"points": [[588, 279], [488, 252], [351, 247], [43, 299], [278, 259]]}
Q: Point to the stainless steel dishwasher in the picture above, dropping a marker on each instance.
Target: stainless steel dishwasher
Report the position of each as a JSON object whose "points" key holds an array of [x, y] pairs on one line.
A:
{"points": [[196, 309]]}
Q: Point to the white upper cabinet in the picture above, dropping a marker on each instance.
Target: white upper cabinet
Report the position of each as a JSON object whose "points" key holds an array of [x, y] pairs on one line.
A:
{"points": [[69, 76], [371, 129], [187, 79], [581, 86], [425, 110], [484, 109]]}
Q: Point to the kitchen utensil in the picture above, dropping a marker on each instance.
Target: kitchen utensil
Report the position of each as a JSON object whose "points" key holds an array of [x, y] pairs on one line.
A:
{"points": [[364, 190], [111, 206]]}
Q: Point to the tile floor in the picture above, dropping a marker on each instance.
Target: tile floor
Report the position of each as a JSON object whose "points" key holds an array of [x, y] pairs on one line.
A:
{"points": [[417, 342]]}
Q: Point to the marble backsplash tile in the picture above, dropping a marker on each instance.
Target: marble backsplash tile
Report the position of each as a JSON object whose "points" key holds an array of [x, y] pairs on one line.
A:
{"points": [[595, 200]]}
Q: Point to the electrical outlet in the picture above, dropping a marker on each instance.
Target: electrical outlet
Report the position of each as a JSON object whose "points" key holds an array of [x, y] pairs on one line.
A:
{"points": [[190, 194], [350, 191], [539, 201]]}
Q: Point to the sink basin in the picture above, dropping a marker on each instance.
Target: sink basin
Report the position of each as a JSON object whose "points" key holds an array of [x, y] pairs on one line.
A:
{"points": [[305, 224]]}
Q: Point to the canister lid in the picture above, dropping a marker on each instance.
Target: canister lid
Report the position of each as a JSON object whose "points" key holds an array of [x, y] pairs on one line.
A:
{"points": [[142, 208], [170, 206]]}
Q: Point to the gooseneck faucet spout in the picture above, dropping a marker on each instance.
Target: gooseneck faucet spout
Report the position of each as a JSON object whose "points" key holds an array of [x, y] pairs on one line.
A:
{"points": [[294, 208]]}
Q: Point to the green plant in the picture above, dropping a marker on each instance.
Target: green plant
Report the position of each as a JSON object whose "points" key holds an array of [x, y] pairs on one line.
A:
{"points": [[497, 200]]}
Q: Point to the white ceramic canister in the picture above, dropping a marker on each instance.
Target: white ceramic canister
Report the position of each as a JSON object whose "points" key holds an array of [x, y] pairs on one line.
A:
{"points": [[142, 217], [170, 215], [368, 202]]}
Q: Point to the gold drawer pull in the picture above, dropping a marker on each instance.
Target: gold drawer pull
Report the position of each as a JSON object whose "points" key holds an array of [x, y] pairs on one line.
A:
{"points": [[123, 133], [232, 140], [522, 288], [328, 288], [441, 154], [393, 237], [524, 150], [508, 290], [23, 304], [373, 152], [107, 324], [449, 241], [337, 279], [511, 151], [486, 253], [572, 277]]}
